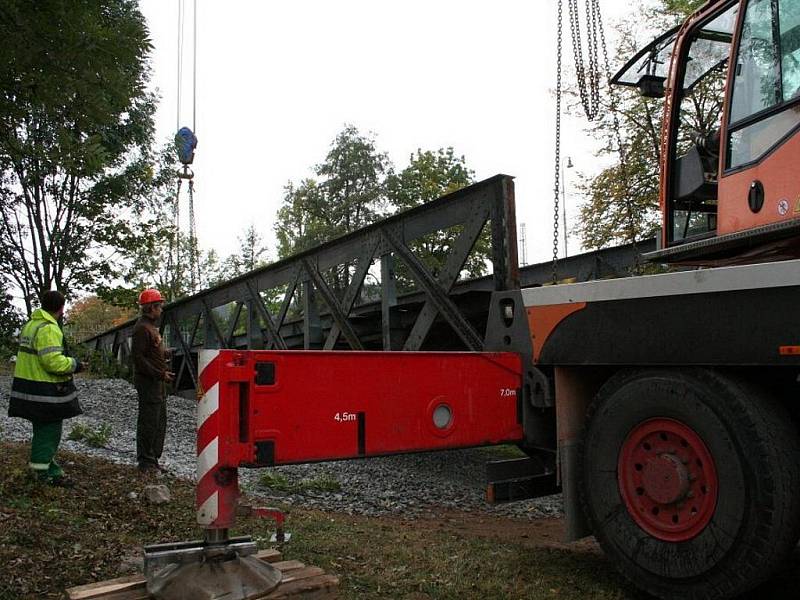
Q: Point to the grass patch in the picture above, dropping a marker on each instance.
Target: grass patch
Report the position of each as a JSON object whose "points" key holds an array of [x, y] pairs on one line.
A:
{"points": [[52, 539], [503, 451], [278, 482], [96, 438]]}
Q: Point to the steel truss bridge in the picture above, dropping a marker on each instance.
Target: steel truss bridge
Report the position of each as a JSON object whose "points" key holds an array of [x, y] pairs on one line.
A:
{"points": [[379, 288]]}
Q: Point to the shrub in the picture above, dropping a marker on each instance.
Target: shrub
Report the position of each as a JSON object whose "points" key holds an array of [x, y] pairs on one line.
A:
{"points": [[96, 438]]}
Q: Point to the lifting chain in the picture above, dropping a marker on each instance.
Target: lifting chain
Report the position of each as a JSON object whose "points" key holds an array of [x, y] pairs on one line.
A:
{"points": [[558, 139], [175, 244], [174, 265], [588, 75], [194, 258]]}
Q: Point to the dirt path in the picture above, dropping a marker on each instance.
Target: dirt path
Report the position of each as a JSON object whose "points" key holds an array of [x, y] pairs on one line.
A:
{"points": [[540, 533]]}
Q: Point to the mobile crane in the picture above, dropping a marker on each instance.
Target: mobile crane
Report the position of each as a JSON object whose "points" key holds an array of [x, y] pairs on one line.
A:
{"points": [[664, 406]]}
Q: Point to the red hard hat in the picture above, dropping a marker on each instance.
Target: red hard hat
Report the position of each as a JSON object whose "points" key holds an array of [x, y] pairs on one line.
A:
{"points": [[149, 296]]}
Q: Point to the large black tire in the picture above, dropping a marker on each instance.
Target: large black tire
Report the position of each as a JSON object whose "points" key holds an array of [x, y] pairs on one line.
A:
{"points": [[755, 521]]}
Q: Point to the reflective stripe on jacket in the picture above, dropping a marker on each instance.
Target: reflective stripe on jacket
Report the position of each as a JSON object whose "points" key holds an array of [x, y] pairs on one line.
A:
{"points": [[43, 389]]}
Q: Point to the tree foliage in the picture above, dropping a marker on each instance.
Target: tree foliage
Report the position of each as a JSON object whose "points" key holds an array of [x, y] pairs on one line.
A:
{"points": [[252, 253], [76, 127], [356, 186], [680, 8], [348, 194], [151, 266], [90, 316], [621, 206], [10, 321], [428, 176]]}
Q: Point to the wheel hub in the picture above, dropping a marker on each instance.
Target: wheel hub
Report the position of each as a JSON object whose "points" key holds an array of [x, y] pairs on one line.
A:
{"points": [[667, 479]]}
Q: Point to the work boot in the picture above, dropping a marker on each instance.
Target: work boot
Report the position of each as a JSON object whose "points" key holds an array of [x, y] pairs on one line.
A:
{"points": [[39, 476], [147, 470], [62, 482]]}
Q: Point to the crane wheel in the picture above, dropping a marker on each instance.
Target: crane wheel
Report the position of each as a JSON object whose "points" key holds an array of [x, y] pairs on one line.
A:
{"points": [[690, 481]]}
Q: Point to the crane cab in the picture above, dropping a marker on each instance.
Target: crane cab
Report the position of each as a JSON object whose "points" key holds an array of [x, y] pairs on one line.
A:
{"points": [[730, 140]]}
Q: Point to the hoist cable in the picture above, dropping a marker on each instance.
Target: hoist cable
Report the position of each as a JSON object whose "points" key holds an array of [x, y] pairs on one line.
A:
{"points": [[180, 63], [194, 72], [192, 250]]}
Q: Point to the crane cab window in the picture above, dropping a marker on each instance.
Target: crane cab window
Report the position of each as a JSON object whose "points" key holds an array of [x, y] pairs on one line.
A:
{"points": [[693, 198], [765, 105]]}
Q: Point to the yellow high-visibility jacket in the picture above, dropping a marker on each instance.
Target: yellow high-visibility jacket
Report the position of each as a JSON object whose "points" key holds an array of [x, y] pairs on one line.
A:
{"points": [[43, 389]]}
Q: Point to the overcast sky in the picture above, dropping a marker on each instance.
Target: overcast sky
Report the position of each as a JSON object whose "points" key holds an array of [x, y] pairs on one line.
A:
{"points": [[276, 81]]}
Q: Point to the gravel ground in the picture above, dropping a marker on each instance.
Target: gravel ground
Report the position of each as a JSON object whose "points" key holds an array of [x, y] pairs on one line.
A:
{"points": [[414, 484]]}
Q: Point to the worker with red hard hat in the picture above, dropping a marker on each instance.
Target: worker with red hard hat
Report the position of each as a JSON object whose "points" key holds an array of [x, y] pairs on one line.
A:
{"points": [[151, 375], [149, 296]]}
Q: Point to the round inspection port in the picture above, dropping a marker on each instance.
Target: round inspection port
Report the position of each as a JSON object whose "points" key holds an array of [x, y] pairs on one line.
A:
{"points": [[442, 416]]}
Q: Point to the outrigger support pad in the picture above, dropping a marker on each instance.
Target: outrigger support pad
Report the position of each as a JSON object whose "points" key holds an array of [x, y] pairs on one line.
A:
{"points": [[208, 570]]}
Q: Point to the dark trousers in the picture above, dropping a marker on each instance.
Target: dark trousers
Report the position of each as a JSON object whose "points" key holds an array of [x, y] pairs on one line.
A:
{"points": [[44, 444], [151, 425]]}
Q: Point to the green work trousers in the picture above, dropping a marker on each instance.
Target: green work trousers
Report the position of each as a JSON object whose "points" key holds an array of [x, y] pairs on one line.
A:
{"points": [[44, 444], [151, 425]]}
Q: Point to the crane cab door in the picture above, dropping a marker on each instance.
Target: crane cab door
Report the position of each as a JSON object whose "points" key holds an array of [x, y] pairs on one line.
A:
{"points": [[732, 147], [760, 182], [692, 201]]}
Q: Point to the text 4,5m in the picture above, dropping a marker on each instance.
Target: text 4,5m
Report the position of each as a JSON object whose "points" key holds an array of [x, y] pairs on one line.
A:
{"points": [[344, 417]]}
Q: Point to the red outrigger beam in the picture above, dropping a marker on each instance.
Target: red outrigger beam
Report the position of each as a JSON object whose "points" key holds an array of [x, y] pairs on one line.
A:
{"points": [[265, 408]]}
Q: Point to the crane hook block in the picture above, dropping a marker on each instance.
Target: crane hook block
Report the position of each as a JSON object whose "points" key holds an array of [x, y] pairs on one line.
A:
{"points": [[185, 143]]}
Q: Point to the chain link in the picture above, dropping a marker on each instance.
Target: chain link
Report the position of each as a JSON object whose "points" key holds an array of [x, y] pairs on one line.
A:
{"points": [[558, 138], [194, 258], [174, 260], [588, 76]]}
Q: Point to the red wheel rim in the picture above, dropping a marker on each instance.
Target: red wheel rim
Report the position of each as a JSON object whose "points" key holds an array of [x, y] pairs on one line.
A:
{"points": [[667, 479]]}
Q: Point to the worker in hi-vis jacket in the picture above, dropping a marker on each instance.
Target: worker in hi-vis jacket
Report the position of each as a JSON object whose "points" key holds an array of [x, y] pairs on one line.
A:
{"points": [[43, 391]]}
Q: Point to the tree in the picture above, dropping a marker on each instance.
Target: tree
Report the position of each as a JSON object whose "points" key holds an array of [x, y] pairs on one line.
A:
{"points": [[150, 265], [295, 227], [90, 316], [252, 254], [348, 195], [76, 126], [10, 322], [622, 206], [680, 8], [430, 175]]}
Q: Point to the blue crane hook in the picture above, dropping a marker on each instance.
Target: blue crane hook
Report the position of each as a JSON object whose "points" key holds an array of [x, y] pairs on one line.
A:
{"points": [[185, 143]]}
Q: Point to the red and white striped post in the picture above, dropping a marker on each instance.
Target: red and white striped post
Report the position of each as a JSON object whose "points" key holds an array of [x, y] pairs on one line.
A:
{"points": [[217, 483]]}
